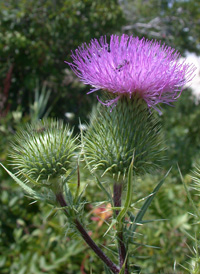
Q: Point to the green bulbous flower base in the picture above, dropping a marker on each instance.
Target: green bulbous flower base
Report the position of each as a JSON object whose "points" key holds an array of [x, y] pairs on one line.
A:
{"points": [[116, 136], [42, 151]]}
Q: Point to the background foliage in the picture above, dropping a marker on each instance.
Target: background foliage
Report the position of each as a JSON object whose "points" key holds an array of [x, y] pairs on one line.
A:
{"points": [[37, 36], [35, 39]]}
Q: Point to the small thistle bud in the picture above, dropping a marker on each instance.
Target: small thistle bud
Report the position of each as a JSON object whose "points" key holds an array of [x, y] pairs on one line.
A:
{"points": [[115, 137], [42, 151]]}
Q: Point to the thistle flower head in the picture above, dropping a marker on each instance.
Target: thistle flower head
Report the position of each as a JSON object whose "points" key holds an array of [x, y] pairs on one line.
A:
{"points": [[127, 65], [42, 151], [115, 137]]}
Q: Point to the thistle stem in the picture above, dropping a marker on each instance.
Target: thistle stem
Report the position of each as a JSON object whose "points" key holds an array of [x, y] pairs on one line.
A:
{"points": [[114, 268], [117, 196]]}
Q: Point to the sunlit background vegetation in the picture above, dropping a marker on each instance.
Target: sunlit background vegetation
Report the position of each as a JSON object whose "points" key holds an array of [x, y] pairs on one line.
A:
{"points": [[36, 37]]}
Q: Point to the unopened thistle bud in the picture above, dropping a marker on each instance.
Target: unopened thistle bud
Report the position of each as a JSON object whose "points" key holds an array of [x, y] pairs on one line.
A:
{"points": [[43, 151], [116, 136]]}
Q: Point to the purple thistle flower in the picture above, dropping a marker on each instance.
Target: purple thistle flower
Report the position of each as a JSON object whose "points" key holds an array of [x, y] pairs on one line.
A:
{"points": [[127, 66]]}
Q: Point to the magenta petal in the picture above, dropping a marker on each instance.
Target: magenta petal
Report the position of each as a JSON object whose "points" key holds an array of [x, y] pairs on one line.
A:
{"points": [[128, 65]]}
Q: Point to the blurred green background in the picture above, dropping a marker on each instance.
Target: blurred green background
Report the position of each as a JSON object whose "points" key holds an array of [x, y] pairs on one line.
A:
{"points": [[36, 37]]}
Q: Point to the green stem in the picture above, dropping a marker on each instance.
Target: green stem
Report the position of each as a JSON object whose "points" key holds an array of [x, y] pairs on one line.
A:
{"points": [[78, 184], [128, 198], [120, 215], [117, 196]]}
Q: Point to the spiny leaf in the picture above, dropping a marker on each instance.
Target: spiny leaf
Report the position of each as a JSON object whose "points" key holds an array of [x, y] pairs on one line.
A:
{"points": [[27, 189], [188, 194], [111, 225], [68, 196], [104, 189], [147, 203], [139, 244], [107, 270]]}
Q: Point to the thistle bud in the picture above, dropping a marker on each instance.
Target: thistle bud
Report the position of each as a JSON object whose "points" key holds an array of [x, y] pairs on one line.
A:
{"points": [[116, 136], [43, 151]]}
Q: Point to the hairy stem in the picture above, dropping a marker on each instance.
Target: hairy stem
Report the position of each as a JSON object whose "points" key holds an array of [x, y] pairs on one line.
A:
{"points": [[117, 196], [115, 269]]}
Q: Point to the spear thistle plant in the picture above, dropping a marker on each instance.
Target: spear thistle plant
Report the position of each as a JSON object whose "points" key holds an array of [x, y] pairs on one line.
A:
{"points": [[136, 76], [123, 139]]}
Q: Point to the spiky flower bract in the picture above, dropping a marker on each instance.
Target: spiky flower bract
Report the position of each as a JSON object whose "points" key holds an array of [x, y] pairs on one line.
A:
{"points": [[127, 65], [43, 151], [115, 137]]}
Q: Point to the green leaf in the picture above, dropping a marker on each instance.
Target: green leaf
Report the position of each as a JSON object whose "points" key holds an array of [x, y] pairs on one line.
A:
{"points": [[78, 183], [103, 188], [111, 225], [68, 196], [128, 193], [27, 189], [30, 179], [145, 245], [107, 270], [188, 194], [147, 203]]}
